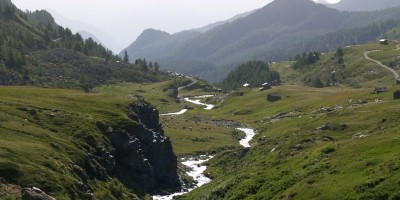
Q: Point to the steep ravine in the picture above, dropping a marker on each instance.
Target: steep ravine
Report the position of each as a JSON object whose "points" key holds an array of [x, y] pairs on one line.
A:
{"points": [[196, 165]]}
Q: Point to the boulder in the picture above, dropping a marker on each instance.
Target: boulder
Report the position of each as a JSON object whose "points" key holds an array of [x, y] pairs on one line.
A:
{"points": [[396, 95], [188, 107], [35, 193], [273, 97]]}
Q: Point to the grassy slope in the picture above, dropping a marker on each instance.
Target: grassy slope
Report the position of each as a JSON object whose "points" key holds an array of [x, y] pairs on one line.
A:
{"points": [[394, 34], [355, 157], [357, 71], [30, 127], [43, 133]]}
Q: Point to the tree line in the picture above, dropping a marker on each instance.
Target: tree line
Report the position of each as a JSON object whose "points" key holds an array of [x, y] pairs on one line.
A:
{"points": [[306, 59], [254, 73]]}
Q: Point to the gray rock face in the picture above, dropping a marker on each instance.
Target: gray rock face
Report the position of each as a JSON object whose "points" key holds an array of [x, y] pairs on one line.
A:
{"points": [[35, 194], [144, 159]]}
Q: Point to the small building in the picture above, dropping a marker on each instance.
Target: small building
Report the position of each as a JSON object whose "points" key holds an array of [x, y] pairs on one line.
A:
{"points": [[273, 97], [265, 86], [246, 85], [384, 41], [380, 90]]}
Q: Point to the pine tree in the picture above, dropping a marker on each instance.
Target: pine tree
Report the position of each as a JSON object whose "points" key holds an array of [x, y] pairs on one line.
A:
{"points": [[78, 47], [2, 54], [126, 57], [11, 60], [156, 67]]}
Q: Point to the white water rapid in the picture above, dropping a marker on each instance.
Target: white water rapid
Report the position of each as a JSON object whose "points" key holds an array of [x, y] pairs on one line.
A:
{"points": [[249, 136], [196, 173]]}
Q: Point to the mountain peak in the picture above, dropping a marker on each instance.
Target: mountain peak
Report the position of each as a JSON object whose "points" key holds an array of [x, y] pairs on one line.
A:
{"points": [[291, 3], [151, 35]]}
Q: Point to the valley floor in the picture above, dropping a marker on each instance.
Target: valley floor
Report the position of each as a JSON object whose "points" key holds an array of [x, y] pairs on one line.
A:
{"points": [[330, 143]]}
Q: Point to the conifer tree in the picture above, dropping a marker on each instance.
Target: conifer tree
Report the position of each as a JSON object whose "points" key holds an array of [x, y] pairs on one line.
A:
{"points": [[126, 57]]}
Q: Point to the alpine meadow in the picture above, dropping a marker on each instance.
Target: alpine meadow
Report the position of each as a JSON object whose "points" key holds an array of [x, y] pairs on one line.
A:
{"points": [[296, 99]]}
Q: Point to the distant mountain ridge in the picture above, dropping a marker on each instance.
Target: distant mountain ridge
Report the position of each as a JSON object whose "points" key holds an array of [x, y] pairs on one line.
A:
{"points": [[77, 26], [365, 5], [274, 28], [86, 35], [216, 24]]}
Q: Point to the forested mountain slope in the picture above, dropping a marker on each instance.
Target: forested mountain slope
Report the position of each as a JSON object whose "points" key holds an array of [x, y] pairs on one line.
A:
{"points": [[277, 31], [34, 50], [364, 5]]}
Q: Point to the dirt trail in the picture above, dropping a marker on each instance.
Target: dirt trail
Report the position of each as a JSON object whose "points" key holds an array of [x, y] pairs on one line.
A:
{"points": [[394, 72], [194, 81]]}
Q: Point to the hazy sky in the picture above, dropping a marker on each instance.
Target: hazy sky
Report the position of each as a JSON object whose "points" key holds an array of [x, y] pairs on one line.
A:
{"points": [[124, 20]]}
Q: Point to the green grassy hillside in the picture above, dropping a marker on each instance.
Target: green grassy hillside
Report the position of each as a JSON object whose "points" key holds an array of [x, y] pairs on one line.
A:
{"points": [[355, 71], [328, 143], [46, 134], [314, 143]]}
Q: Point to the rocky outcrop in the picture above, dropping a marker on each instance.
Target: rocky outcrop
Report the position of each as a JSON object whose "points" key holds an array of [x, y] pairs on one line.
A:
{"points": [[144, 159], [35, 194], [396, 95]]}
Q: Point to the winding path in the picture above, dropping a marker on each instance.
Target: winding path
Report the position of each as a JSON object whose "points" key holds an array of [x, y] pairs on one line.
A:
{"points": [[194, 81], [394, 72]]}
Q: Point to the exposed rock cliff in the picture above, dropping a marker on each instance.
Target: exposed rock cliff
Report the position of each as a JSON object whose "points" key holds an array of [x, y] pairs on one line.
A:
{"points": [[144, 159]]}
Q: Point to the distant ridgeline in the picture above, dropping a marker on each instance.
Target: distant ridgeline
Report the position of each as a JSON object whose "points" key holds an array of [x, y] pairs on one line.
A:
{"points": [[35, 50], [276, 32], [254, 73], [333, 40]]}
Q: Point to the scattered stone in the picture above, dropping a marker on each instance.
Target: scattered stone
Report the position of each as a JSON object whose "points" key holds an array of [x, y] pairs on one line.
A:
{"points": [[226, 123], [279, 115], [54, 145], [297, 147], [55, 110], [327, 138], [33, 112], [323, 127], [188, 107], [380, 90], [35, 193]]}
